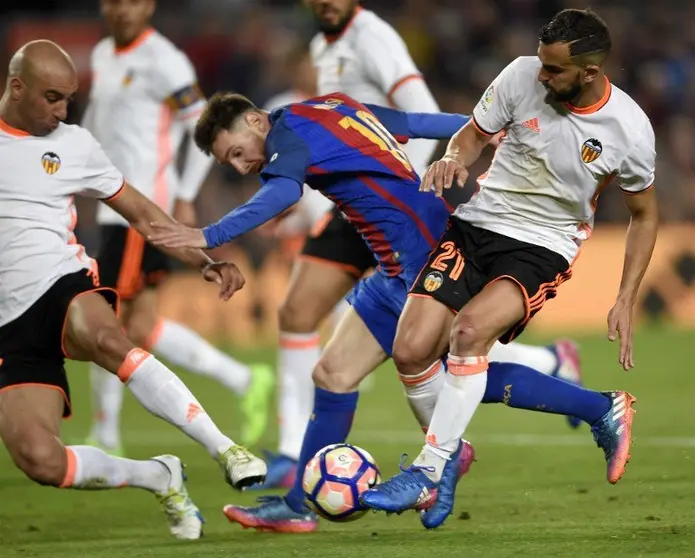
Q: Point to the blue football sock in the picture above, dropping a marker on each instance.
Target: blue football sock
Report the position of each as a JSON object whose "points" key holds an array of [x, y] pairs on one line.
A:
{"points": [[524, 388], [330, 423]]}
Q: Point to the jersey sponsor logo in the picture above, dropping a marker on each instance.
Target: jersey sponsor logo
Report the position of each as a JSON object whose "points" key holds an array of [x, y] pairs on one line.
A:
{"points": [[50, 162], [433, 280], [185, 98], [328, 104], [486, 100], [591, 150], [275, 156]]}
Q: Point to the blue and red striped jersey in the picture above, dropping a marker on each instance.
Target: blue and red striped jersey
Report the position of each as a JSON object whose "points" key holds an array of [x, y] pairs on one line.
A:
{"points": [[351, 153]]}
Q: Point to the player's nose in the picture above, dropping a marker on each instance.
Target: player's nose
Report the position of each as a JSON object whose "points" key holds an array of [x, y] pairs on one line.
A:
{"points": [[61, 110]]}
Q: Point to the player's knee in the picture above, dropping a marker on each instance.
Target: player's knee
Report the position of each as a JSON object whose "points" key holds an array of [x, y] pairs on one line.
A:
{"points": [[413, 352], [298, 316], [42, 459], [465, 334], [329, 377]]}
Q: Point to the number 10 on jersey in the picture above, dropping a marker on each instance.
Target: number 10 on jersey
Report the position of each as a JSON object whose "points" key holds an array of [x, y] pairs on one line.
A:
{"points": [[369, 127]]}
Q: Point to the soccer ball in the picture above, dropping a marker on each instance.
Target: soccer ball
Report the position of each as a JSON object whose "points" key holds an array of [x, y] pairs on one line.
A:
{"points": [[335, 478]]}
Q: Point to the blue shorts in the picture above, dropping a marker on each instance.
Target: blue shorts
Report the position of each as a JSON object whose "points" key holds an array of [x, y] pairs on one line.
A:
{"points": [[379, 301]]}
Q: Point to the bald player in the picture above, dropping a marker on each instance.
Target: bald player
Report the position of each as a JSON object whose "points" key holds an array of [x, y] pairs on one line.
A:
{"points": [[144, 101], [52, 306]]}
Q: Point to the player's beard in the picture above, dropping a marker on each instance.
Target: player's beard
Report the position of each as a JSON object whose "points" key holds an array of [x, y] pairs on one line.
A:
{"points": [[565, 96], [339, 27]]}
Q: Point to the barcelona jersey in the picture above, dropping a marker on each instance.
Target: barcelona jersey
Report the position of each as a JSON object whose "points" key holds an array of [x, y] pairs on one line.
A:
{"points": [[351, 154]]}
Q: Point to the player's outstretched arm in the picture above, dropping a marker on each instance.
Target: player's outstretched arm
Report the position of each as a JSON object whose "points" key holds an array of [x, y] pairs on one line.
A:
{"points": [[639, 245], [463, 150], [140, 212], [277, 195], [419, 125]]}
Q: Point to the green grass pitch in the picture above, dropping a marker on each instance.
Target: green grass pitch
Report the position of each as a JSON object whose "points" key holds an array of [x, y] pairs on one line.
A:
{"points": [[538, 489]]}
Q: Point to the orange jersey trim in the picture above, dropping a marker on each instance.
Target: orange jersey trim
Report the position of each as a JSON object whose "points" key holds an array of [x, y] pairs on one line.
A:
{"points": [[136, 43], [598, 105], [12, 131]]}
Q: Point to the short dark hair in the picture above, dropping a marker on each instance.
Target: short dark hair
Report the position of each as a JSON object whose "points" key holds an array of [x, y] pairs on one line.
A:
{"points": [[587, 34], [223, 110]]}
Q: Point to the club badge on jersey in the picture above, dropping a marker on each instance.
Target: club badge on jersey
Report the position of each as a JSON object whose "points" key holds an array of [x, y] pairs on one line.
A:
{"points": [[591, 150], [50, 162]]}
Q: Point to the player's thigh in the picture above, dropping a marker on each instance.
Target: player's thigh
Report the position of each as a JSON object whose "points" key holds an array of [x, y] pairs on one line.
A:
{"points": [[487, 316], [30, 417], [142, 316], [422, 335], [315, 288], [92, 332], [350, 355]]}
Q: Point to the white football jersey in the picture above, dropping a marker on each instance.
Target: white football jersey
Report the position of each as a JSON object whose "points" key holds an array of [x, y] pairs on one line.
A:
{"points": [[40, 177], [545, 178], [369, 61], [139, 97]]}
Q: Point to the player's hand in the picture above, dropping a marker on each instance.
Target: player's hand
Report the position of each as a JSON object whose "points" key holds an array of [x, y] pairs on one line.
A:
{"points": [[442, 174], [497, 139], [184, 212], [620, 326], [176, 235], [226, 275]]}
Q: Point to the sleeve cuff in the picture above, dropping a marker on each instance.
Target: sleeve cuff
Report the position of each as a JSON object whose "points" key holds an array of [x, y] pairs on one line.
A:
{"points": [[117, 194], [633, 193], [481, 129]]}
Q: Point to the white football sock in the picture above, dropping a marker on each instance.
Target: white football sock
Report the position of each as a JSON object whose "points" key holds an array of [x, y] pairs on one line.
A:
{"points": [[538, 358], [163, 394], [107, 400], [91, 469], [299, 353], [184, 347], [422, 391], [458, 399]]}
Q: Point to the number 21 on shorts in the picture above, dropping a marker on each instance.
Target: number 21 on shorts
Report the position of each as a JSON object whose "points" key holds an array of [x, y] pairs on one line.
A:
{"points": [[443, 261]]}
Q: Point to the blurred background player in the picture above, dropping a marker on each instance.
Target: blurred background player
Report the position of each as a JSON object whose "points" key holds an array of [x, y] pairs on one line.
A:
{"points": [[144, 100], [360, 54]]}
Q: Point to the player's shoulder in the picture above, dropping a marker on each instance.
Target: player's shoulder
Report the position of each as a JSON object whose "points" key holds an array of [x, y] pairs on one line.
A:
{"points": [[74, 137], [317, 45], [524, 66], [102, 49], [370, 29], [627, 109], [163, 48]]}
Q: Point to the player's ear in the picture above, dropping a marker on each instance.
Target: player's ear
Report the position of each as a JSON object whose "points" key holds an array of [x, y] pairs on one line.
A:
{"points": [[590, 73], [16, 88], [254, 119]]}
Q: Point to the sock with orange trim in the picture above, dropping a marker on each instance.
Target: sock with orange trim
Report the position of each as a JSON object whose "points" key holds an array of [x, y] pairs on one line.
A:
{"points": [[90, 468], [107, 400], [458, 399], [298, 355], [164, 395], [184, 347], [422, 391]]}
